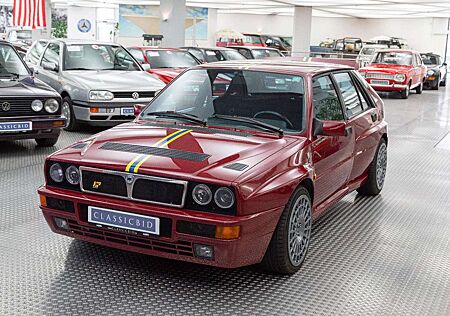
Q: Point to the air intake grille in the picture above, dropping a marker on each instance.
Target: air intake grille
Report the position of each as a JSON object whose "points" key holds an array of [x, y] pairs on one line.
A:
{"points": [[236, 166], [129, 95], [155, 151], [380, 76]]}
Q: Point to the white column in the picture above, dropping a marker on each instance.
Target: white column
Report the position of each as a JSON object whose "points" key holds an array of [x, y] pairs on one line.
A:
{"points": [[302, 31], [173, 15], [212, 27]]}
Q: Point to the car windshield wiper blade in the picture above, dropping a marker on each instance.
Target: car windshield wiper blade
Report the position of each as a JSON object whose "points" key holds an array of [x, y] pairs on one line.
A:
{"points": [[250, 121], [178, 115]]}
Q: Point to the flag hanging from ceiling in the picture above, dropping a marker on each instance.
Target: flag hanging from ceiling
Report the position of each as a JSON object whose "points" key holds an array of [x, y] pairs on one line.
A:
{"points": [[30, 13]]}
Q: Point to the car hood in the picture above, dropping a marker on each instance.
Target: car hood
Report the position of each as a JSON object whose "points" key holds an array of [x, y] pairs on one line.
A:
{"points": [[202, 153], [115, 80], [387, 68], [27, 86]]}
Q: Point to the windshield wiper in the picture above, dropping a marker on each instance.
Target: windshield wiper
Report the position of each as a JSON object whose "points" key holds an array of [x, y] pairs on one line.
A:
{"points": [[250, 121], [178, 115]]}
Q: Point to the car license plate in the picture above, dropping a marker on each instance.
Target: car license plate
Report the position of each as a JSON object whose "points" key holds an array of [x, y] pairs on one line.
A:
{"points": [[16, 126], [124, 220], [127, 111], [380, 82]]}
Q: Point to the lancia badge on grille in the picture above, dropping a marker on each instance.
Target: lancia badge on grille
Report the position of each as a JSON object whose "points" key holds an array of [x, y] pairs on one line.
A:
{"points": [[129, 178], [6, 106], [135, 95]]}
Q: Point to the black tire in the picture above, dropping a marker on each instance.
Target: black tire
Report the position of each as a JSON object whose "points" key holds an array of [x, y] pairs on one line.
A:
{"points": [[419, 88], [405, 93], [444, 82], [47, 142], [436, 86], [277, 258], [373, 186], [73, 125]]}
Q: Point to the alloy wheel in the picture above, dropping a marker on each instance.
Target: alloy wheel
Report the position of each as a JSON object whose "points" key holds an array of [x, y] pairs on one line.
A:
{"points": [[299, 230], [381, 165], [65, 109]]}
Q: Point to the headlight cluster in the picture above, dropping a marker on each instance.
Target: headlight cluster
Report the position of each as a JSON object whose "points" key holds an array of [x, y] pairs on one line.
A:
{"points": [[63, 175], [399, 77], [212, 198], [430, 72], [100, 95], [51, 106]]}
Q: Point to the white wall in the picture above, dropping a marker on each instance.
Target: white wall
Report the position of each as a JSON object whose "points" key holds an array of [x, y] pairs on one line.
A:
{"points": [[74, 15]]}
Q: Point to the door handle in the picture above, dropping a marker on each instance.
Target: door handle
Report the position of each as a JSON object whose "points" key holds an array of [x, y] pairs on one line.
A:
{"points": [[374, 116], [348, 130]]}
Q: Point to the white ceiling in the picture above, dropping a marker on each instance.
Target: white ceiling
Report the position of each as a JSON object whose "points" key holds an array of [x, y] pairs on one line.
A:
{"points": [[330, 8]]}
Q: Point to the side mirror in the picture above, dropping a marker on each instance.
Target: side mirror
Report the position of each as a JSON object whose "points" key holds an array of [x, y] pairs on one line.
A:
{"points": [[331, 128], [138, 108], [269, 42], [50, 66], [146, 67], [33, 71], [444, 64]]}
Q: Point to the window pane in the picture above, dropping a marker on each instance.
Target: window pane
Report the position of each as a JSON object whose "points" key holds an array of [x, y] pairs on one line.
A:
{"points": [[325, 100], [52, 54], [349, 94]]}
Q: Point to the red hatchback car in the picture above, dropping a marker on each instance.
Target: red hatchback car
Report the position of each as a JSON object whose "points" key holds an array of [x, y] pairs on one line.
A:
{"points": [[164, 63], [396, 70], [227, 166]]}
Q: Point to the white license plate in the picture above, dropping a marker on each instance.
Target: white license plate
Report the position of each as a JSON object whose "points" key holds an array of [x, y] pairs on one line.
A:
{"points": [[124, 220], [380, 82], [127, 111], [16, 126]]}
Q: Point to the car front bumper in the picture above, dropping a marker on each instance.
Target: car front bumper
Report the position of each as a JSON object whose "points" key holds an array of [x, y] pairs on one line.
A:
{"points": [[105, 113], [249, 248], [390, 87], [42, 127]]}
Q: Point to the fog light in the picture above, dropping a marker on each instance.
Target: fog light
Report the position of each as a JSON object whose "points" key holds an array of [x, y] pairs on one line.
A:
{"points": [[204, 252], [228, 232], [61, 223]]}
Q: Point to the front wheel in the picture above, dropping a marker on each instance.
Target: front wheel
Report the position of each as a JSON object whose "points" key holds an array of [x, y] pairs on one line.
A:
{"points": [[444, 82], [377, 171], [405, 93], [436, 86], [67, 112], [290, 240], [419, 88]]}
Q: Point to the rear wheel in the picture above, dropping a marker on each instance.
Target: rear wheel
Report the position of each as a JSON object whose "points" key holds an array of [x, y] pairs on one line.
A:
{"points": [[377, 171], [405, 93], [419, 88], [290, 241], [47, 142], [67, 111]]}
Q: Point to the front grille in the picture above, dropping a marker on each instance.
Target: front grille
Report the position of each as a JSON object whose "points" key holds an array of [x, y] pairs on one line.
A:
{"points": [[135, 187], [129, 95], [155, 151], [180, 247], [20, 107], [380, 76]]}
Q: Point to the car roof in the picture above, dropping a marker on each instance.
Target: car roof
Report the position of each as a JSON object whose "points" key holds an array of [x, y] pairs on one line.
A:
{"points": [[157, 48], [79, 41], [208, 48], [254, 47], [430, 54], [282, 65], [399, 50]]}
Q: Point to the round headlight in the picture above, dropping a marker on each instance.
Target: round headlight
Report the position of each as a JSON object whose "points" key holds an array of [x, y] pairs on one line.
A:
{"points": [[400, 77], [73, 175], [224, 198], [56, 173], [51, 106], [430, 72], [37, 105], [202, 194]]}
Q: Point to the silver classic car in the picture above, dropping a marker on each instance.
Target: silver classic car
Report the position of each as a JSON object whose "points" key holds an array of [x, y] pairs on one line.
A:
{"points": [[99, 82]]}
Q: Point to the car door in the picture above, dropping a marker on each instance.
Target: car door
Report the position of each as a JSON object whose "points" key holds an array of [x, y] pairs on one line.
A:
{"points": [[363, 116], [50, 65], [332, 155]]}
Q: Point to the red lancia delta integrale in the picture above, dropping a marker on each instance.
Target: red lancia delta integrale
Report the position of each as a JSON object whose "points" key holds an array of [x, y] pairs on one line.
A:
{"points": [[227, 166]]}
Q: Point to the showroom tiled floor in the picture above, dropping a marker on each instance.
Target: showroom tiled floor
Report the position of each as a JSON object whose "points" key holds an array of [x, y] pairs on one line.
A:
{"points": [[386, 255]]}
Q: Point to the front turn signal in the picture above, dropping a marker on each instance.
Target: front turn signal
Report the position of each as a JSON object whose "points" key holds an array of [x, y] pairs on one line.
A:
{"points": [[43, 200], [228, 232]]}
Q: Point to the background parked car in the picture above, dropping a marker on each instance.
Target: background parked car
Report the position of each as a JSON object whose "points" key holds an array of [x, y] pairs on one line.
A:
{"points": [[279, 42], [210, 55], [437, 71], [367, 52], [29, 109], [165, 63], [99, 82], [257, 52], [396, 70]]}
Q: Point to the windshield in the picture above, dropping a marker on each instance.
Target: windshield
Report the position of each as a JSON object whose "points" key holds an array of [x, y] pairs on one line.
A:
{"points": [[368, 51], [286, 40], [430, 59], [271, 98], [394, 58], [170, 59], [10, 63], [98, 57], [265, 53], [213, 55], [252, 39], [232, 55]]}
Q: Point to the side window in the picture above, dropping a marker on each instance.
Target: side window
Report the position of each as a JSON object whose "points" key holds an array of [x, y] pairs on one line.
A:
{"points": [[36, 52], [363, 96], [326, 104], [246, 53], [138, 55], [51, 54], [349, 94], [197, 54]]}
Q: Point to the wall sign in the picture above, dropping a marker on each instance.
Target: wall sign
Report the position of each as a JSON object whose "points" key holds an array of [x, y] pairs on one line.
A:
{"points": [[84, 25]]}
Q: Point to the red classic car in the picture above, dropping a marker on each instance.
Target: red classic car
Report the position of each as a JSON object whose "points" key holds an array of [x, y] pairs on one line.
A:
{"points": [[396, 70], [226, 177], [164, 63]]}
